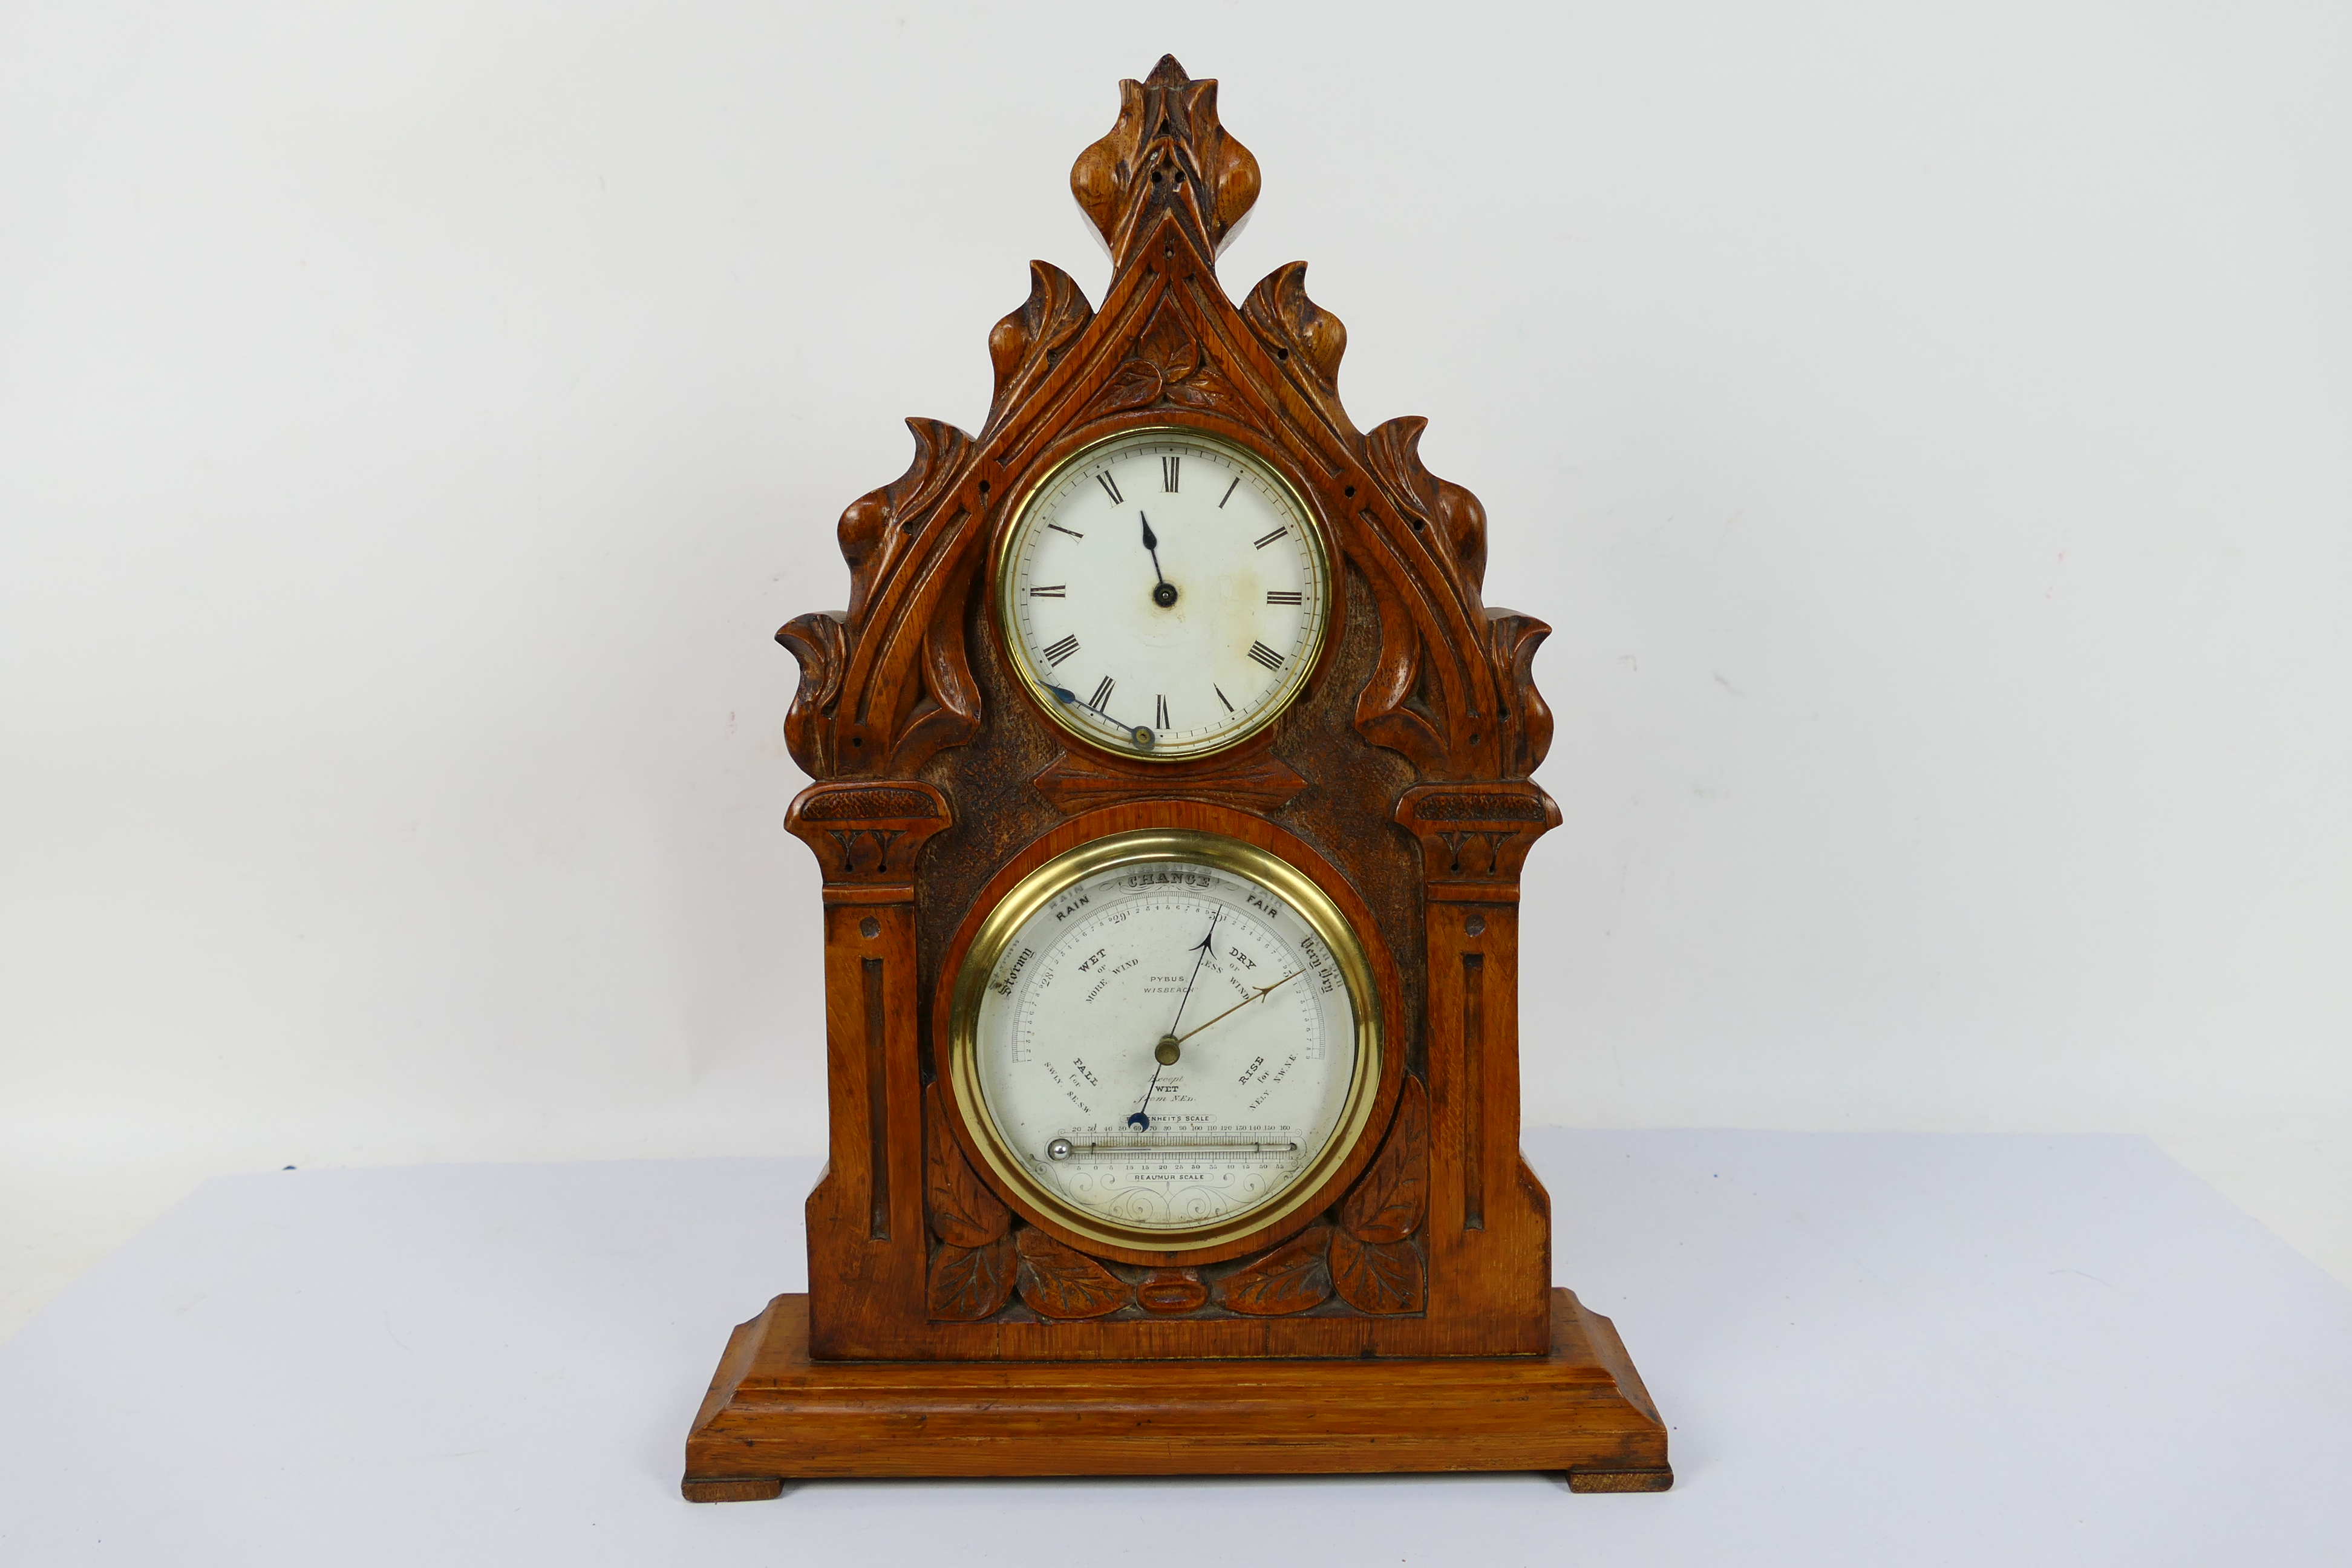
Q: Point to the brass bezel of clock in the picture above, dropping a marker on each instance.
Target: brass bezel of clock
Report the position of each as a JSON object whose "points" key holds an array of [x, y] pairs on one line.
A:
{"points": [[1145, 847], [1002, 589]]}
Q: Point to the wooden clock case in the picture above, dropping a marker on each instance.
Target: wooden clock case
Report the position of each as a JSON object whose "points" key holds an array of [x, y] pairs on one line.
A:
{"points": [[1405, 1319]]}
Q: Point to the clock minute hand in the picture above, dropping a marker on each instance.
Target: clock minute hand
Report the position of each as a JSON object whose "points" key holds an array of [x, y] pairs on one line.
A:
{"points": [[1256, 995]]}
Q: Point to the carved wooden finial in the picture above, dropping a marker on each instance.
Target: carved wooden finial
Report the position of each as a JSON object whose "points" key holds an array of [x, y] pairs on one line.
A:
{"points": [[1167, 154]]}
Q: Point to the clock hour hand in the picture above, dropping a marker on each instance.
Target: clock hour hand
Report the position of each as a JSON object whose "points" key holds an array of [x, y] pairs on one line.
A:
{"points": [[1165, 593]]}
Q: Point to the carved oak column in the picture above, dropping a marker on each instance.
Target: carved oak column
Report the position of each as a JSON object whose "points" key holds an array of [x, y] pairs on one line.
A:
{"points": [[1490, 1222], [866, 1216]]}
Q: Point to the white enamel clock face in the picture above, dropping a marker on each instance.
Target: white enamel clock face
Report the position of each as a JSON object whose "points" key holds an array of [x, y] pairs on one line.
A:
{"points": [[1170, 1045], [1165, 593]]}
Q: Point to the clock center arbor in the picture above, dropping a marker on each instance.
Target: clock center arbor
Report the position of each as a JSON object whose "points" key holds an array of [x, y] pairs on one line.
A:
{"points": [[1171, 793]]}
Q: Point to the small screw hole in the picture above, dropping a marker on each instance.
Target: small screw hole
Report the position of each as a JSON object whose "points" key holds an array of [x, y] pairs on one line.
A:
{"points": [[983, 486], [1417, 524], [1476, 925], [1351, 489], [1155, 176], [869, 928], [1282, 354]]}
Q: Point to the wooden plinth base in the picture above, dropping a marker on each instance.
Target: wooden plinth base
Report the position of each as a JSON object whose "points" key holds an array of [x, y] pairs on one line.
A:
{"points": [[773, 1415]]}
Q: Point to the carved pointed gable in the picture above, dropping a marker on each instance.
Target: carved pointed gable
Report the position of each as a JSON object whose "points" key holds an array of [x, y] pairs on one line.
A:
{"points": [[888, 683]]}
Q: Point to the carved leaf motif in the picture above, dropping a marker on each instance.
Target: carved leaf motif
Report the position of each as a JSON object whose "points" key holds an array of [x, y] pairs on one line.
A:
{"points": [[1204, 388], [819, 642], [1135, 384], [1377, 1277], [1165, 362], [1380, 711], [1026, 342], [1168, 344], [1104, 172], [1462, 523], [1515, 638], [961, 1209], [874, 528], [928, 698], [1291, 1278], [1387, 1201], [1300, 332], [1393, 450], [968, 1283], [946, 709], [1057, 1281], [1168, 152]]}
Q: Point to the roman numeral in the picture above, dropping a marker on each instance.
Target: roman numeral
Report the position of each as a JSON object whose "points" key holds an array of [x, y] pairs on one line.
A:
{"points": [[1061, 650], [1273, 596], [1228, 492], [1270, 538], [1221, 697], [1072, 532], [1168, 467], [1110, 488], [1102, 694], [1160, 716], [1056, 591], [1266, 656]]}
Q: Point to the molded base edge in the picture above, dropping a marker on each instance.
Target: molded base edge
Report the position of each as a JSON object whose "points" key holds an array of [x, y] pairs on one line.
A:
{"points": [[773, 1415]]}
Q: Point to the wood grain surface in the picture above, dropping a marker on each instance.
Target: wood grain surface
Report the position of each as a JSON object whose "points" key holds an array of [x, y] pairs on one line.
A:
{"points": [[773, 1414], [1404, 1318]]}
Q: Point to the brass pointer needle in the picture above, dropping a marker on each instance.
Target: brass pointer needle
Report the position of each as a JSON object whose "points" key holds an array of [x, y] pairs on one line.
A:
{"points": [[1170, 1048], [1258, 996]]}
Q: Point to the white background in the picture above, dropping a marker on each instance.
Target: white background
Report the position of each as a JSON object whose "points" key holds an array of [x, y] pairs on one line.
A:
{"points": [[1922, 1350], [1929, 429]]}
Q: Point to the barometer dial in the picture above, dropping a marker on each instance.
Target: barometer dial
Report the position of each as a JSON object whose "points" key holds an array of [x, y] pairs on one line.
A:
{"points": [[1165, 593], [1167, 1037]]}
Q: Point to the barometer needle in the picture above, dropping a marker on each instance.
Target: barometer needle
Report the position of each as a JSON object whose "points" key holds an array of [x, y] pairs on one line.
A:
{"points": [[1142, 1118], [1256, 995], [1210, 936]]}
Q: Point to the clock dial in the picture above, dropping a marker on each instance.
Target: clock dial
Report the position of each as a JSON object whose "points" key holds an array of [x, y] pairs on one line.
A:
{"points": [[1167, 1035], [1165, 592]]}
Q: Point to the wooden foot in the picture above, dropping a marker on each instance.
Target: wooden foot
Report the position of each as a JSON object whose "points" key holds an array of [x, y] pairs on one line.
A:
{"points": [[732, 1489], [772, 1413], [1655, 1481]]}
